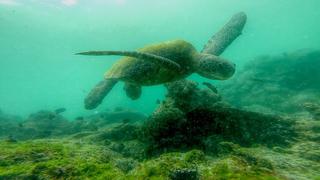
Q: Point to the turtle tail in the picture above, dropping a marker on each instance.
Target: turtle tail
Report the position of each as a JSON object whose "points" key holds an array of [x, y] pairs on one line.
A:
{"points": [[96, 95]]}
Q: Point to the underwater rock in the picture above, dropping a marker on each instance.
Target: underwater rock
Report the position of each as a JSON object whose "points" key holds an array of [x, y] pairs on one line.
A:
{"points": [[45, 124], [278, 84], [11, 139], [64, 158], [134, 149], [126, 165], [83, 125], [184, 174], [189, 115], [10, 125], [164, 129], [4, 117], [195, 156], [123, 139], [313, 109], [254, 160], [118, 115], [215, 145], [57, 159], [60, 110], [123, 132], [186, 95], [129, 149], [308, 150]]}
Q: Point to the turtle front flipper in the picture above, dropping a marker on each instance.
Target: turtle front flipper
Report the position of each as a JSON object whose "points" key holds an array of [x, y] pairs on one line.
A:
{"points": [[133, 91], [139, 55], [97, 94], [226, 35]]}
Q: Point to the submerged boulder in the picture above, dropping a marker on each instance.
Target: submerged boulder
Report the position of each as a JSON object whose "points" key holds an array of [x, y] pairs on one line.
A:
{"points": [[313, 109], [189, 115], [45, 124], [118, 115], [9, 125], [276, 84]]}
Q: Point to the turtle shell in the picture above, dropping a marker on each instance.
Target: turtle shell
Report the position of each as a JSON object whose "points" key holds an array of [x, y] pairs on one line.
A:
{"points": [[146, 72]]}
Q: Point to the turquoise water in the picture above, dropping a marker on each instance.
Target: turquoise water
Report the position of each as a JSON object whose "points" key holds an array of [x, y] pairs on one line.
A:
{"points": [[38, 39]]}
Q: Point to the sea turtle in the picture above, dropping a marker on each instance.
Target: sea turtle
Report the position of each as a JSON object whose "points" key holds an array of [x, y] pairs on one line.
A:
{"points": [[166, 62]]}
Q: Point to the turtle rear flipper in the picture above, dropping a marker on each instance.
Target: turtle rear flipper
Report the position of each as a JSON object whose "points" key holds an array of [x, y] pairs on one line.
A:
{"points": [[133, 91], [139, 55], [98, 93]]}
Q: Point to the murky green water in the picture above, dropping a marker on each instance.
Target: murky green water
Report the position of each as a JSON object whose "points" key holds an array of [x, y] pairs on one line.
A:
{"points": [[263, 123], [38, 40]]}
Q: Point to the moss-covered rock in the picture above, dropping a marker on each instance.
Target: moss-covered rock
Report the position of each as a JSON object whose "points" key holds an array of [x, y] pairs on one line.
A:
{"points": [[188, 116], [184, 174], [313, 109], [45, 124], [195, 156], [10, 125], [278, 84], [122, 132]]}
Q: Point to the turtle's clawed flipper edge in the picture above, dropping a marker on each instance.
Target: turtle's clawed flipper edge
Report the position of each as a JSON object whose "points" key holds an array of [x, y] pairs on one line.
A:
{"points": [[139, 55]]}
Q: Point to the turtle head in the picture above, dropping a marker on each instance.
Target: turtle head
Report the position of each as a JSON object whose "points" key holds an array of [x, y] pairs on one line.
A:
{"points": [[214, 67]]}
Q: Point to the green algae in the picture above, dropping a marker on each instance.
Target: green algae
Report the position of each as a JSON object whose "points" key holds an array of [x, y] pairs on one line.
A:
{"points": [[69, 159], [55, 159]]}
